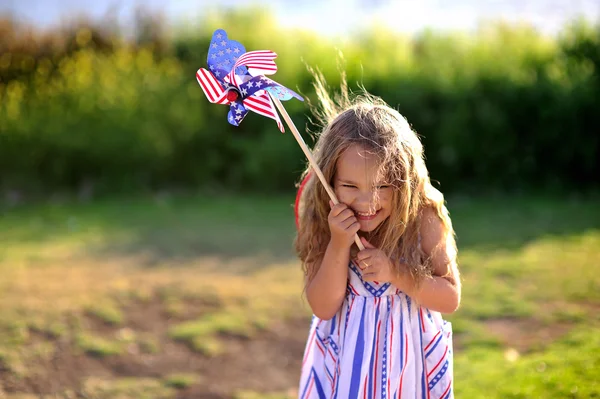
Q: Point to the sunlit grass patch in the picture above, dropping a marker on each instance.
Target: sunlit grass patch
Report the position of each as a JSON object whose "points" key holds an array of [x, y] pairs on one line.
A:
{"points": [[99, 346], [260, 395], [126, 388], [565, 369], [14, 332], [148, 344], [12, 359], [195, 333], [51, 327], [180, 380], [106, 311], [547, 279]]}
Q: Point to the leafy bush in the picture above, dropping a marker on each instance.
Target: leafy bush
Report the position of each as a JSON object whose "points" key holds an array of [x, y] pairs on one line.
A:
{"points": [[504, 109]]}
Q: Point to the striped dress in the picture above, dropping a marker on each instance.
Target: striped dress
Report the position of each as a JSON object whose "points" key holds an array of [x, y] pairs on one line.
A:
{"points": [[380, 345]]}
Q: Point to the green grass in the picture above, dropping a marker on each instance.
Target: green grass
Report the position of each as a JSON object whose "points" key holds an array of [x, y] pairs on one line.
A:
{"points": [[213, 268], [568, 368], [107, 312], [149, 345], [127, 388], [201, 334], [174, 229], [180, 381], [98, 346]]}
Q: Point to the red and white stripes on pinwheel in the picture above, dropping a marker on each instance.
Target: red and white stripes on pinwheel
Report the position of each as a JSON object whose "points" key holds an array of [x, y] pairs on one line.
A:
{"points": [[211, 87], [258, 63], [263, 105]]}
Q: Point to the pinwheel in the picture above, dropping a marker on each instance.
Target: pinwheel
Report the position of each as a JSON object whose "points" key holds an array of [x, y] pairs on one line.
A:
{"points": [[237, 78]]}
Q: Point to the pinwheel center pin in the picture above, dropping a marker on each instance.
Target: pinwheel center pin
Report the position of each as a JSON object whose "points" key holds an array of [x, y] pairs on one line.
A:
{"points": [[232, 95]]}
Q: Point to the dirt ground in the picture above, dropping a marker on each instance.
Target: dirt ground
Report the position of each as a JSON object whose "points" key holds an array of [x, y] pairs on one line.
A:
{"points": [[267, 362], [272, 355]]}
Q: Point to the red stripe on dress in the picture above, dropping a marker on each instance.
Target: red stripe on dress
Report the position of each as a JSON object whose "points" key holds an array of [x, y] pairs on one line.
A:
{"points": [[432, 341], [312, 381], [376, 359], [312, 339], [319, 346], [438, 363], [330, 353], [405, 361], [447, 390]]}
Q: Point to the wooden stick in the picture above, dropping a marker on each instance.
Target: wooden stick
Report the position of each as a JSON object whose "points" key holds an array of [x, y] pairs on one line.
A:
{"points": [[311, 159]]}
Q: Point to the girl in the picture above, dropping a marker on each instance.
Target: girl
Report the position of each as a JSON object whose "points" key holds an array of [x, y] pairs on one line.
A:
{"points": [[377, 329]]}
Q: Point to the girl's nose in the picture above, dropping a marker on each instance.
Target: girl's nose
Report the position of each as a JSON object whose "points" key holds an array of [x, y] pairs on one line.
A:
{"points": [[367, 198]]}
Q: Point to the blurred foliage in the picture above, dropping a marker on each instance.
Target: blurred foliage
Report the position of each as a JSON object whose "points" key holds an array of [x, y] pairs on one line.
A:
{"points": [[91, 109]]}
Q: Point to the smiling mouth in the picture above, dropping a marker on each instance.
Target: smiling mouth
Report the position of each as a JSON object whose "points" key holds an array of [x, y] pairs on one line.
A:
{"points": [[367, 215]]}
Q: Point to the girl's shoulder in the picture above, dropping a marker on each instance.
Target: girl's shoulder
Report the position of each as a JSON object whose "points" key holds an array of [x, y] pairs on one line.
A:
{"points": [[432, 229]]}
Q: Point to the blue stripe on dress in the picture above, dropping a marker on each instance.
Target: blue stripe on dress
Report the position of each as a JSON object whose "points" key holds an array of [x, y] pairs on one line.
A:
{"points": [[358, 356], [439, 375], [329, 372], [434, 345], [384, 373], [401, 340], [306, 386], [373, 350], [333, 324], [318, 385]]}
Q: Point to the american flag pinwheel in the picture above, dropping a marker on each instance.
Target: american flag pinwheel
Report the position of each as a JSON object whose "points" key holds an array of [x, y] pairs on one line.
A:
{"points": [[237, 78]]}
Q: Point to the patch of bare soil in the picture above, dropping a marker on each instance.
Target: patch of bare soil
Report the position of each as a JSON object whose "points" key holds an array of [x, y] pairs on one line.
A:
{"points": [[531, 334], [269, 361], [526, 335]]}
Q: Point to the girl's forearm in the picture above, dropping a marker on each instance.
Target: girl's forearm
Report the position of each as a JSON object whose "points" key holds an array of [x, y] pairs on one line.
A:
{"points": [[435, 293], [327, 290]]}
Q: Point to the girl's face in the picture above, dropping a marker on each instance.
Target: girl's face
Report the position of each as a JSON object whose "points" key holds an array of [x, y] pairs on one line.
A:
{"points": [[354, 186]]}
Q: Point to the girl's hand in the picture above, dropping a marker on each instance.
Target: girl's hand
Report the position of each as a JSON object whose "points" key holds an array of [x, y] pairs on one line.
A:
{"points": [[375, 265], [343, 225]]}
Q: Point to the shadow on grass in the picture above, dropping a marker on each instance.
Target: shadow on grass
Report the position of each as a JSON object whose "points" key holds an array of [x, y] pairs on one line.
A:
{"points": [[162, 230], [183, 228], [512, 222]]}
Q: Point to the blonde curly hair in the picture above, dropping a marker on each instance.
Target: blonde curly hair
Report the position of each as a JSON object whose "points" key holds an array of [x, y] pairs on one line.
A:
{"points": [[367, 121]]}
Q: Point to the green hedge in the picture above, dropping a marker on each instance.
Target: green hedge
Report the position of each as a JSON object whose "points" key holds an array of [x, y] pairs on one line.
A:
{"points": [[504, 109]]}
